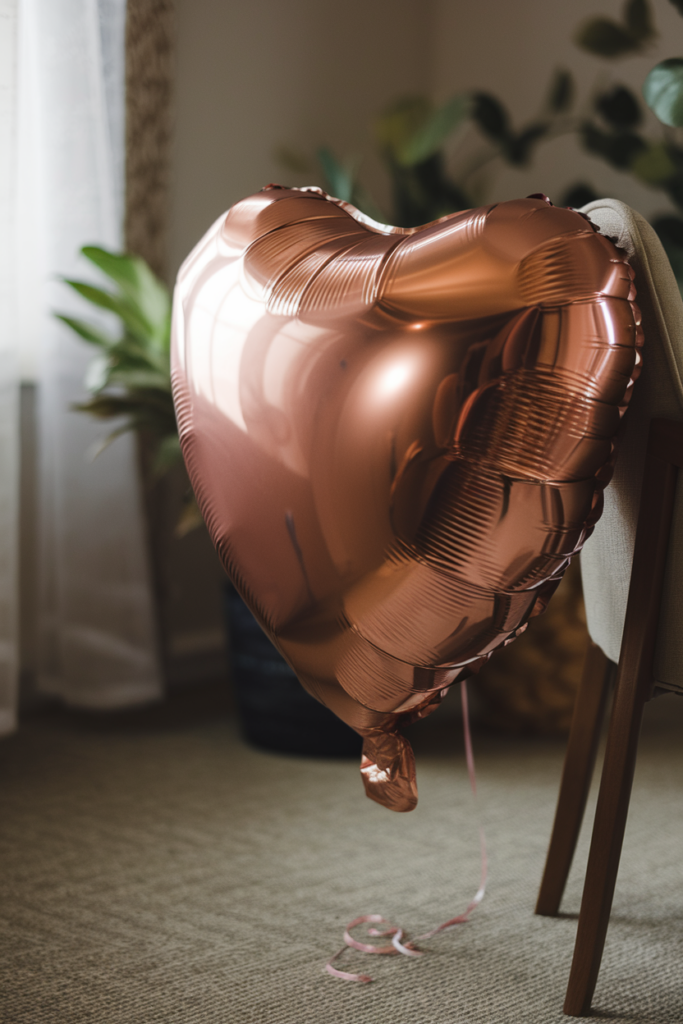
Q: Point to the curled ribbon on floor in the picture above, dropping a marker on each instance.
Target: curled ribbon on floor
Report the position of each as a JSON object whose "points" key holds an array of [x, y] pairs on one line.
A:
{"points": [[393, 932]]}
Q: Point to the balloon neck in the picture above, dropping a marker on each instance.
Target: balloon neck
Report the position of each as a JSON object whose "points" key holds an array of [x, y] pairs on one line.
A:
{"points": [[388, 771]]}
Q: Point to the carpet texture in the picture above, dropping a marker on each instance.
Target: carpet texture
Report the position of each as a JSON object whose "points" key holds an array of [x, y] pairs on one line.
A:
{"points": [[155, 870]]}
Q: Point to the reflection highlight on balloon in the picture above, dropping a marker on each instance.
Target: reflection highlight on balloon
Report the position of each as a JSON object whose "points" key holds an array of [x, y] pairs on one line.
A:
{"points": [[399, 438]]}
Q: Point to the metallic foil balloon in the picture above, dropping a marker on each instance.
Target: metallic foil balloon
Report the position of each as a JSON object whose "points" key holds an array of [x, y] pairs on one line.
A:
{"points": [[399, 438]]}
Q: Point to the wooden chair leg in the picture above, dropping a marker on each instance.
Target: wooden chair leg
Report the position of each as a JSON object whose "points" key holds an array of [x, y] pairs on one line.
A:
{"points": [[606, 843], [579, 762], [633, 688]]}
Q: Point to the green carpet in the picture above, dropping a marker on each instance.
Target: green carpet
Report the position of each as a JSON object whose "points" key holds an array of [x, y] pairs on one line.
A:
{"points": [[155, 870]]}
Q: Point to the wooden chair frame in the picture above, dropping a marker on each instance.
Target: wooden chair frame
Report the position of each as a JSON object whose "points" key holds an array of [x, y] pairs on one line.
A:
{"points": [[633, 687]]}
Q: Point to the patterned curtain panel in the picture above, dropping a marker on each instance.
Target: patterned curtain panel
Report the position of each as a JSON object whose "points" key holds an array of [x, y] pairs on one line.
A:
{"points": [[149, 38]]}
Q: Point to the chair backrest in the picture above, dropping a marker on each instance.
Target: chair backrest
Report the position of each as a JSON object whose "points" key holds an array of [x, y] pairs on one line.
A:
{"points": [[607, 556]]}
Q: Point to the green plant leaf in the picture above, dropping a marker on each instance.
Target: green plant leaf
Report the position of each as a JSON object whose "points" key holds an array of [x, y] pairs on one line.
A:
{"points": [[107, 300], [190, 517], [400, 122], [431, 135], [104, 407], [618, 148], [663, 91], [579, 195], [97, 374], [654, 165], [109, 439], [670, 231], [606, 38], [87, 331], [150, 408], [120, 267], [364, 202], [292, 160], [638, 18], [491, 116], [340, 179], [619, 107], [425, 192], [130, 352], [518, 149], [146, 296], [561, 92], [167, 455], [131, 379], [674, 188]]}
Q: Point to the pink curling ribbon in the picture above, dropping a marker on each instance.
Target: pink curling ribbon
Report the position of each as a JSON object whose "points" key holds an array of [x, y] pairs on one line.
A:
{"points": [[392, 931]]}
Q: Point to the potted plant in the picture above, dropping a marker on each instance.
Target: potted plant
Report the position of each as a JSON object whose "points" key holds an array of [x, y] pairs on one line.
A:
{"points": [[129, 381]]}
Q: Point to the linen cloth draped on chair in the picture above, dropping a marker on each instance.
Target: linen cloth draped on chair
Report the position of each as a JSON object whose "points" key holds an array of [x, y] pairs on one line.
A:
{"points": [[608, 555], [631, 567]]}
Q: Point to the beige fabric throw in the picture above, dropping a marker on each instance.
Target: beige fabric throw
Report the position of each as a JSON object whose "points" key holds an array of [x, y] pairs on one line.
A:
{"points": [[607, 556]]}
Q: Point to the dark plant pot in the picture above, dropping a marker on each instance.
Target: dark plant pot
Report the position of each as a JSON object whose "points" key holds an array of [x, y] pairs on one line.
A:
{"points": [[275, 710]]}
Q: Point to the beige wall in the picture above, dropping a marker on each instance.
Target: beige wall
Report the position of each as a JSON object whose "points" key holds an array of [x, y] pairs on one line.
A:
{"points": [[253, 75], [512, 48]]}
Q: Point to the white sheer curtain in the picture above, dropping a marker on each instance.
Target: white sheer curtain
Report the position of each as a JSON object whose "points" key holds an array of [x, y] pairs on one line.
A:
{"points": [[97, 644]]}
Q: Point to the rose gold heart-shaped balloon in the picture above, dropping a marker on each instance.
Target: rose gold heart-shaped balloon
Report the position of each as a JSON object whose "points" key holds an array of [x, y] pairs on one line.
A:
{"points": [[398, 438]]}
